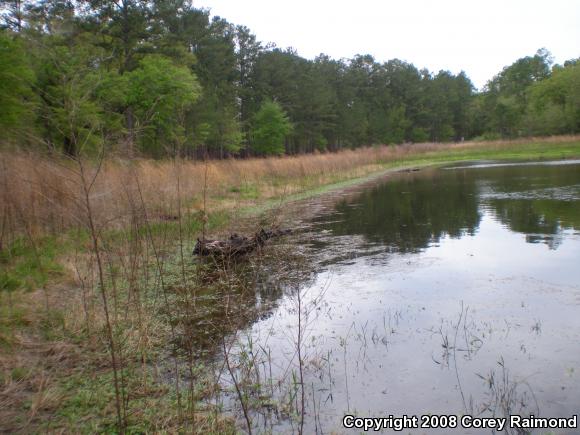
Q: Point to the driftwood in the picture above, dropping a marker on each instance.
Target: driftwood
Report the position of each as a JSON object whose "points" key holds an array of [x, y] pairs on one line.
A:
{"points": [[236, 245]]}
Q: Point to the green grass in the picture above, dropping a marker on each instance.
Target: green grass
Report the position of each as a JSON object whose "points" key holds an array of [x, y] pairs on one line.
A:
{"points": [[514, 152], [88, 398], [246, 191], [27, 266], [88, 406]]}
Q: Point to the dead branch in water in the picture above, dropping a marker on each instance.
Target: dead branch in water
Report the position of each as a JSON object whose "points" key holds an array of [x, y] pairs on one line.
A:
{"points": [[236, 245]]}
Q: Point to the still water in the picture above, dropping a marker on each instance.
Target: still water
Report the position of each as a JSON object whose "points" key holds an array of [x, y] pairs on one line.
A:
{"points": [[444, 291]]}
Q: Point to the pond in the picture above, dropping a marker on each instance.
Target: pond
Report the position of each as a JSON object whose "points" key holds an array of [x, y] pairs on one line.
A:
{"points": [[451, 290]]}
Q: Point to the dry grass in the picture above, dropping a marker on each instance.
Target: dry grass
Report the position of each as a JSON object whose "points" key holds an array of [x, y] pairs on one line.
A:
{"points": [[45, 192], [28, 392]]}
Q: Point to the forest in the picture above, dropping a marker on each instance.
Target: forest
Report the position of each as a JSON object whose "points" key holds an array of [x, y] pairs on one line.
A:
{"points": [[163, 78]]}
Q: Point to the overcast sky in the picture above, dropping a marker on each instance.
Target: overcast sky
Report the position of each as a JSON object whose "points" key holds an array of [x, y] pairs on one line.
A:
{"points": [[479, 37]]}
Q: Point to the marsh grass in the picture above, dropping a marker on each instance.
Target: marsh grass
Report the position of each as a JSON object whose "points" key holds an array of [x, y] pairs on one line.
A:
{"points": [[506, 396]]}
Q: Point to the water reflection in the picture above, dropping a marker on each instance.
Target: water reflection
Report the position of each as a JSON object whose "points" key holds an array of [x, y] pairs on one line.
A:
{"points": [[408, 214]]}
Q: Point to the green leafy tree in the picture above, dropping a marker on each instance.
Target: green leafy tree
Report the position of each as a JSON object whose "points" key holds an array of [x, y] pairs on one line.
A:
{"points": [[160, 92], [507, 94], [247, 51], [70, 115], [554, 103], [271, 126], [16, 80], [516, 78], [217, 109], [124, 26]]}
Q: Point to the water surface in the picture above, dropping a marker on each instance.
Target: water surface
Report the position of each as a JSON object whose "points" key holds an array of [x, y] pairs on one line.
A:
{"points": [[443, 291]]}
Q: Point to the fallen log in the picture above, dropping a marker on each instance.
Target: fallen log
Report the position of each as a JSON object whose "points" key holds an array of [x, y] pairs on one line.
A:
{"points": [[409, 170], [236, 245]]}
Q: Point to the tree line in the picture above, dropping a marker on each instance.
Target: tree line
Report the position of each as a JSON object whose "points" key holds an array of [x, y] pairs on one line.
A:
{"points": [[163, 78]]}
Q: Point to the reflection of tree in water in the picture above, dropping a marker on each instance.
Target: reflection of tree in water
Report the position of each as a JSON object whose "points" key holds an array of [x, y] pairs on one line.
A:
{"points": [[522, 216], [409, 213], [534, 207], [541, 221]]}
